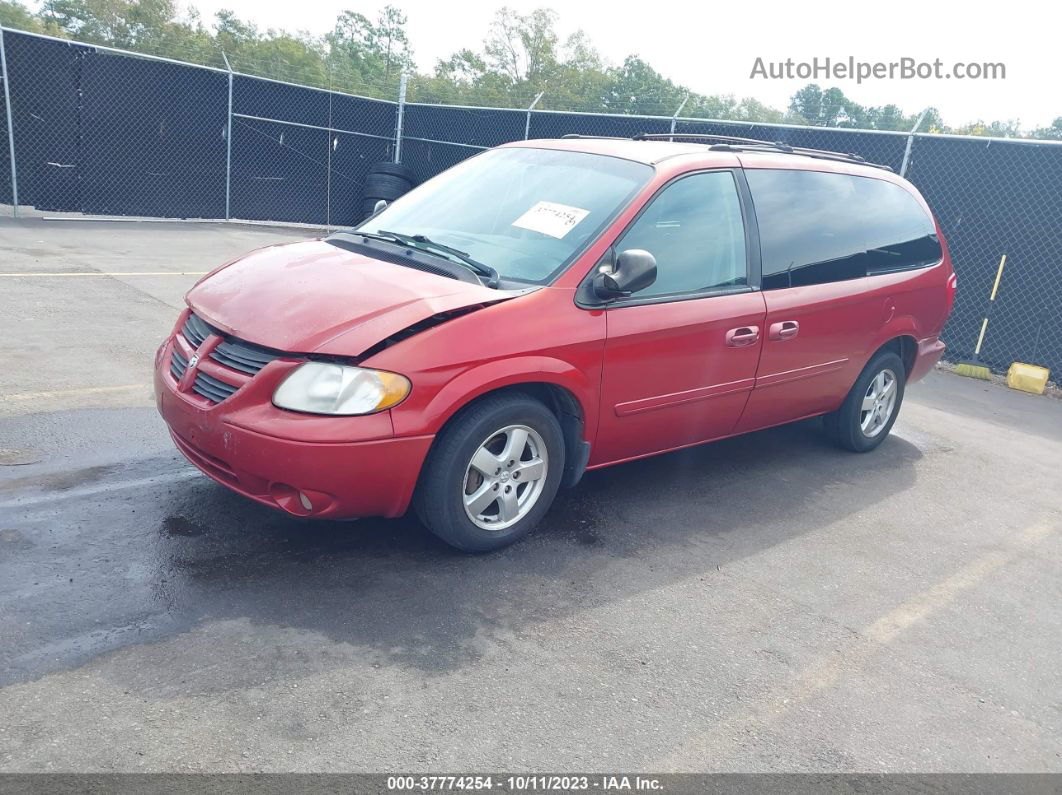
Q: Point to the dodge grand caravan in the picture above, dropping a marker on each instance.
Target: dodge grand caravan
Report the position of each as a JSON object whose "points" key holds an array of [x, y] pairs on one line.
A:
{"points": [[553, 306]]}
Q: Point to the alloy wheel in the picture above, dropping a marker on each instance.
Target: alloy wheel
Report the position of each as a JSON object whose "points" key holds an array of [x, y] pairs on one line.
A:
{"points": [[879, 402], [505, 477]]}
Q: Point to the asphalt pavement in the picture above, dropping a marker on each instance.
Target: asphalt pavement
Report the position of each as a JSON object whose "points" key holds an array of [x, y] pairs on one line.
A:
{"points": [[764, 603]]}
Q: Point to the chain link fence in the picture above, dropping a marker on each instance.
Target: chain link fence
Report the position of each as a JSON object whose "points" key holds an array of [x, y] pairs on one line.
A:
{"points": [[97, 131]]}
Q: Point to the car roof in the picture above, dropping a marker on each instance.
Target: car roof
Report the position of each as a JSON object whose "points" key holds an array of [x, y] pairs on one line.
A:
{"points": [[700, 155], [648, 152]]}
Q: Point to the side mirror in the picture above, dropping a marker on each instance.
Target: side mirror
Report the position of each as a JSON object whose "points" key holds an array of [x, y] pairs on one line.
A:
{"points": [[379, 206], [635, 269]]}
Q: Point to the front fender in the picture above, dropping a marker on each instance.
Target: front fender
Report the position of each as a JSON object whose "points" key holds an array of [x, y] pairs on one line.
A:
{"points": [[497, 374]]}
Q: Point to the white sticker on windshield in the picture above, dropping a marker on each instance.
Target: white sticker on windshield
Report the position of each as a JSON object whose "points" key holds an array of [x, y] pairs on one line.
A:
{"points": [[555, 220]]}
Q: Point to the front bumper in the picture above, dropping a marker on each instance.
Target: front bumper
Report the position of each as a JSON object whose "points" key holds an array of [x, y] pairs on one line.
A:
{"points": [[326, 467]]}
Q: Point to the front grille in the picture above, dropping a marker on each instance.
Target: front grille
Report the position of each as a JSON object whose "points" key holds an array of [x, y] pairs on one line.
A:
{"points": [[211, 388], [196, 330], [232, 353], [243, 356], [178, 364]]}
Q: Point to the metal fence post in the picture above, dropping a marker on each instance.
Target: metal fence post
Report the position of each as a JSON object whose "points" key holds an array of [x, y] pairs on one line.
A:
{"points": [[10, 125], [401, 113], [328, 155], [531, 107], [228, 146], [675, 115], [910, 141]]}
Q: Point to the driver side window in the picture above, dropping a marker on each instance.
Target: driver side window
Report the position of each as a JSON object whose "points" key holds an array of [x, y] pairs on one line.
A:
{"points": [[695, 231]]}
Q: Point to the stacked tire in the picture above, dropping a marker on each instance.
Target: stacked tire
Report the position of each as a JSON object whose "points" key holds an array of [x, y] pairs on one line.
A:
{"points": [[385, 181]]}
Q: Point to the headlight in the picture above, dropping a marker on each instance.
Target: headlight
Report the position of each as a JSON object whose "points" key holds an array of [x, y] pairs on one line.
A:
{"points": [[323, 388]]}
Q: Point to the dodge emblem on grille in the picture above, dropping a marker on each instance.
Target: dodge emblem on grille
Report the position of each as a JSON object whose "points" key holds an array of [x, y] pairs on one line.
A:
{"points": [[193, 361]]}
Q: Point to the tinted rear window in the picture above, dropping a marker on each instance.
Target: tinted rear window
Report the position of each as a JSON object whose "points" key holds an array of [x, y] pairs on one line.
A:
{"points": [[820, 227]]}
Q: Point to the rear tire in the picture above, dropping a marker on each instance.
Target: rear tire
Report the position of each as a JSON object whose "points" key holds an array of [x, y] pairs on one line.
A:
{"points": [[869, 411], [492, 474]]}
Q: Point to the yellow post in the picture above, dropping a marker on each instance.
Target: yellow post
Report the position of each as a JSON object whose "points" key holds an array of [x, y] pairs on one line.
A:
{"points": [[999, 275], [981, 337]]}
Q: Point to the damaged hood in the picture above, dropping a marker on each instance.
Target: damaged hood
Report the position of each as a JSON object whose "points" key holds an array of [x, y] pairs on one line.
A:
{"points": [[313, 297]]}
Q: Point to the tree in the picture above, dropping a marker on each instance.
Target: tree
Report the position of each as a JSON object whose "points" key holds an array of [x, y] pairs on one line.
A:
{"points": [[829, 108], [888, 117], [295, 57], [523, 55], [1054, 132], [522, 47], [636, 87], [14, 14], [995, 129], [749, 109], [392, 41], [370, 53], [123, 23]]}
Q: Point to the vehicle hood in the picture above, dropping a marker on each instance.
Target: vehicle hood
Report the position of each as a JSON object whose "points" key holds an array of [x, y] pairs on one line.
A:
{"points": [[313, 297]]}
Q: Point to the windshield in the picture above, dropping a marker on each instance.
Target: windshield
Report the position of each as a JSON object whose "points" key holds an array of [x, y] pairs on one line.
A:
{"points": [[525, 212]]}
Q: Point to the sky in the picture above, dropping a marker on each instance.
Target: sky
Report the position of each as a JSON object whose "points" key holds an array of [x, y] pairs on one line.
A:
{"points": [[712, 48]]}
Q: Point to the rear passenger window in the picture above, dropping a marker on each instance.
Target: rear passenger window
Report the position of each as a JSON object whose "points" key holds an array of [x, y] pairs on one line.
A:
{"points": [[695, 231], [820, 227]]}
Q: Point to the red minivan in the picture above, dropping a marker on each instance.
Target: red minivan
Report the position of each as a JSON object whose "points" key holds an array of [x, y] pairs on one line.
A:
{"points": [[548, 307]]}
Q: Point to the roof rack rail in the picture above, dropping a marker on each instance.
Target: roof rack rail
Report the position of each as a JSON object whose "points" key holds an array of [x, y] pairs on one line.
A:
{"points": [[732, 143], [696, 137]]}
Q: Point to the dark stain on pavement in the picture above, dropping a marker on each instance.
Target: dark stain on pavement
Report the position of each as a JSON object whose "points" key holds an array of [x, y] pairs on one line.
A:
{"points": [[142, 564], [59, 481]]}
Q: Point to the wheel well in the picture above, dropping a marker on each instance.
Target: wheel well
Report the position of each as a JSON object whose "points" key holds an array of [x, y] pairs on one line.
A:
{"points": [[569, 413], [557, 398], [906, 347]]}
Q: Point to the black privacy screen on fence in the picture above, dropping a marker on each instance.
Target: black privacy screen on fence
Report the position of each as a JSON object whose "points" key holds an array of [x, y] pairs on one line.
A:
{"points": [[301, 154], [5, 158], [144, 151], [44, 79], [107, 133], [995, 199]]}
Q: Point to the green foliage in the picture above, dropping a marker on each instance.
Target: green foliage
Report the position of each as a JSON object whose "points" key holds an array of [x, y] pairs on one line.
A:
{"points": [[523, 56], [372, 54], [15, 15], [831, 108], [1054, 132]]}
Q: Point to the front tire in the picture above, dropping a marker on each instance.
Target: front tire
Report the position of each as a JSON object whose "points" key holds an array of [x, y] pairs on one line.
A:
{"points": [[869, 411], [492, 474]]}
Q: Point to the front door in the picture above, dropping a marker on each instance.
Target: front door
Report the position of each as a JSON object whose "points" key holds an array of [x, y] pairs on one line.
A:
{"points": [[680, 356]]}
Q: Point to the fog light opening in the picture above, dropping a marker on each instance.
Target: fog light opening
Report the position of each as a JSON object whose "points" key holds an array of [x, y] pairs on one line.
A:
{"points": [[300, 502]]}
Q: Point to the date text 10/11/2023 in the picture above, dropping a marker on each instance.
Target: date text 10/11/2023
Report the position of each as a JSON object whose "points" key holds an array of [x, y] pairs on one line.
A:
{"points": [[524, 783]]}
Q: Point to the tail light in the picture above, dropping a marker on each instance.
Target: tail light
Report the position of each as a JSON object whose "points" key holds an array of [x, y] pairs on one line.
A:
{"points": [[953, 288]]}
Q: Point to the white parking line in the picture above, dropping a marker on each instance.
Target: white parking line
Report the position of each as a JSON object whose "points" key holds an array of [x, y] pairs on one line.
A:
{"points": [[100, 488], [88, 390], [109, 273], [724, 737]]}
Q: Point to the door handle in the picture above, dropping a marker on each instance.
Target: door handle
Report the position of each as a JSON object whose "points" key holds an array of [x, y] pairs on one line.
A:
{"points": [[785, 330], [742, 336]]}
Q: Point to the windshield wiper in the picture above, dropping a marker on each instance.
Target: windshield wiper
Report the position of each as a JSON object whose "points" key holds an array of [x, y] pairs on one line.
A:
{"points": [[425, 243], [387, 237]]}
